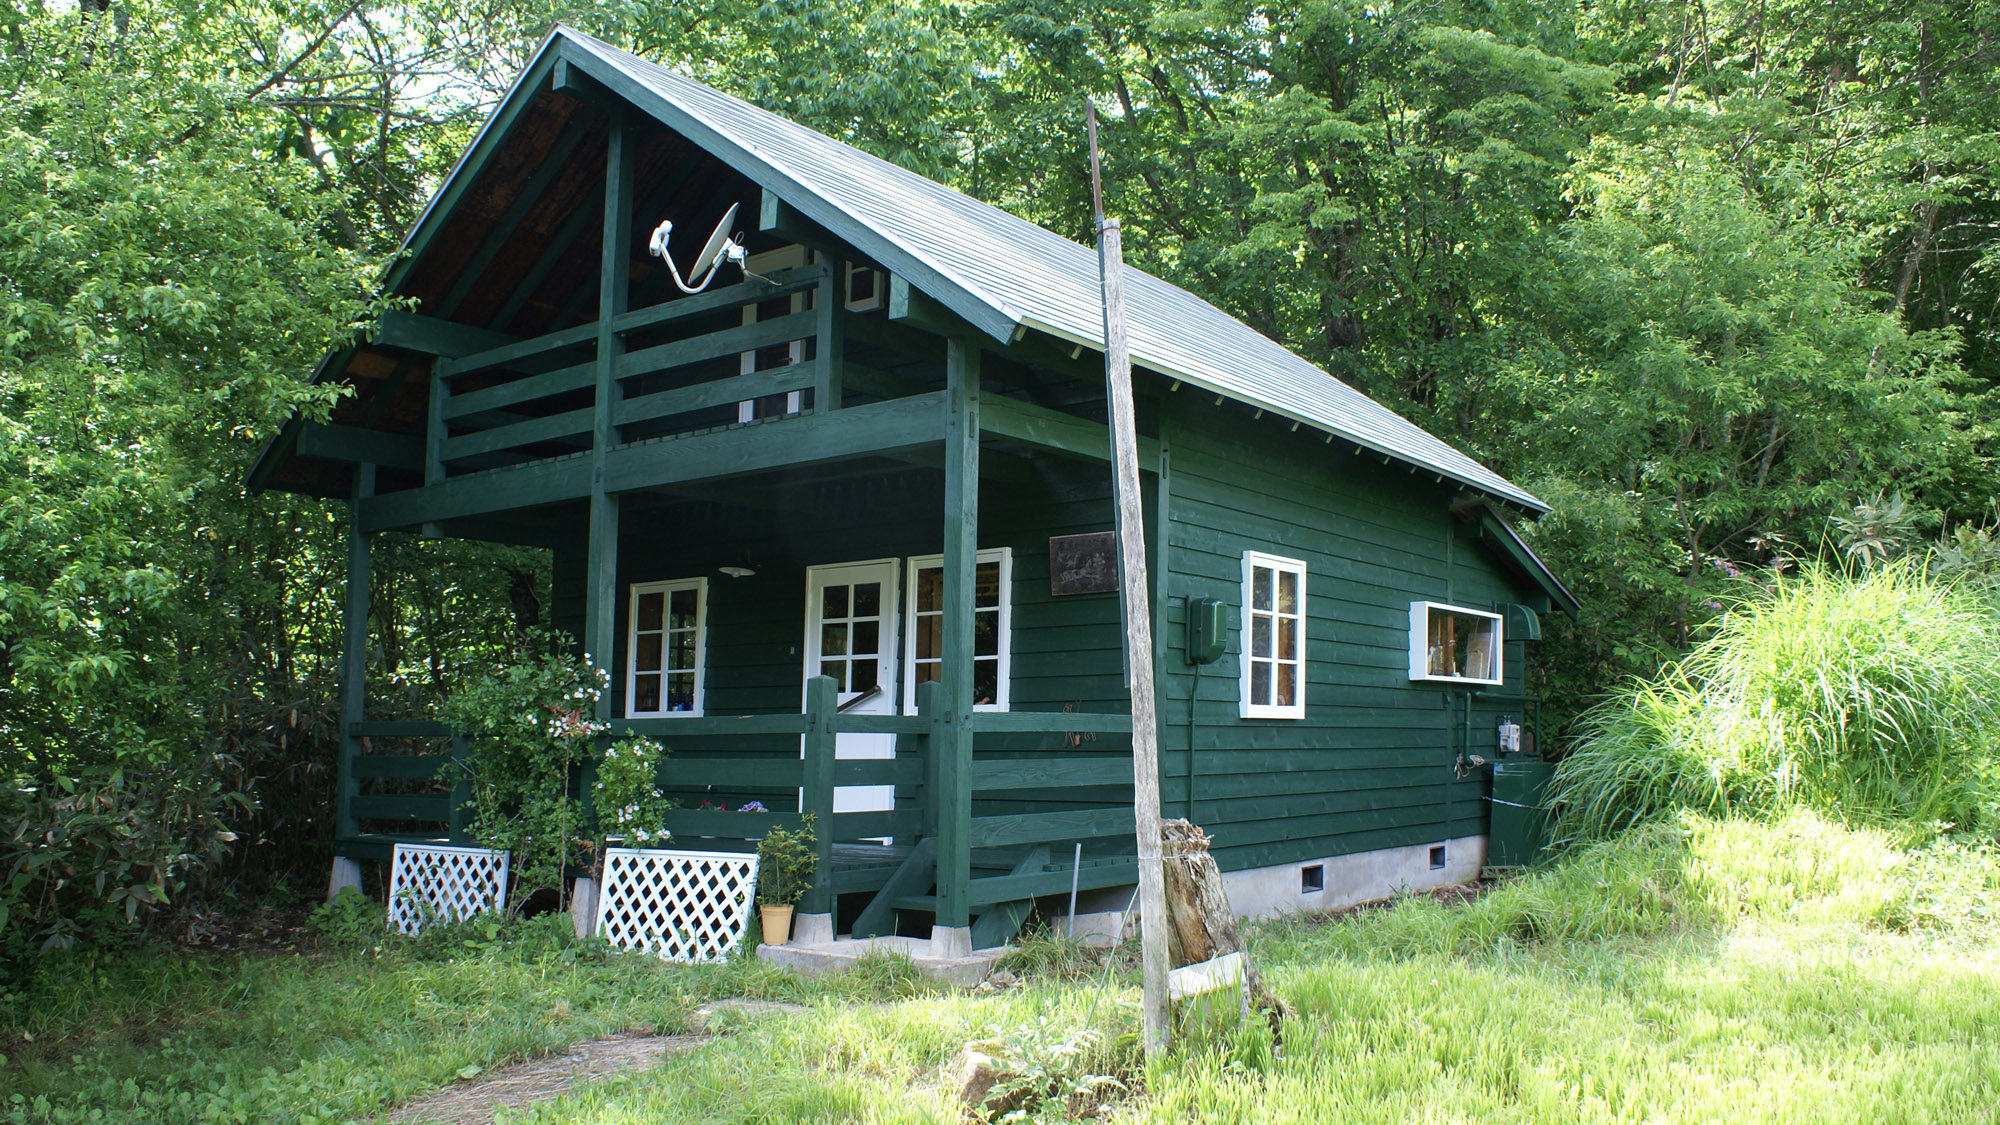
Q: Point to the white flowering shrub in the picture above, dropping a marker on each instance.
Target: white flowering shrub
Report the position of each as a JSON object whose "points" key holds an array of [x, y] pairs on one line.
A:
{"points": [[533, 741], [626, 794]]}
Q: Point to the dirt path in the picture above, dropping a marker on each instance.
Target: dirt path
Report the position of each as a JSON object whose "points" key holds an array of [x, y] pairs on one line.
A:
{"points": [[522, 1084]]}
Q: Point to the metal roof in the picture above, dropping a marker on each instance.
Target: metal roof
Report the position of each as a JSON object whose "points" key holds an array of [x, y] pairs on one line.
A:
{"points": [[990, 266]]}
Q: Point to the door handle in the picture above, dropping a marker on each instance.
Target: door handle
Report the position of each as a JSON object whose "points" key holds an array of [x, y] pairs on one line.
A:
{"points": [[859, 699]]}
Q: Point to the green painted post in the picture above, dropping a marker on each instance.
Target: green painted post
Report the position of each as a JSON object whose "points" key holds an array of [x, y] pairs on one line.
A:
{"points": [[927, 707], [461, 790], [600, 626], [353, 654], [829, 313], [822, 701], [434, 434], [952, 741]]}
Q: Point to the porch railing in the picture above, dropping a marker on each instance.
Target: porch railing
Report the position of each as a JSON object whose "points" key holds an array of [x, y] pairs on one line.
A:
{"points": [[1006, 803]]}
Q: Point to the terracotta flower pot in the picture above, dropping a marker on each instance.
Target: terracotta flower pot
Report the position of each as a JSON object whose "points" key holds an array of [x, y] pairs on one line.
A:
{"points": [[777, 923]]}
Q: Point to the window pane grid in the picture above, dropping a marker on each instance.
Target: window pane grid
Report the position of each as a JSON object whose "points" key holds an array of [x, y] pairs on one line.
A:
{"points": [[665, 649], [926, 651], [1273, 640], [850, 636]]}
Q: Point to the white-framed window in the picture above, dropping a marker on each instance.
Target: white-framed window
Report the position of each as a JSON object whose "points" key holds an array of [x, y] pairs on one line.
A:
{"points": [[1274, 637], [666, 648], [992, 622], [1455, 644]]}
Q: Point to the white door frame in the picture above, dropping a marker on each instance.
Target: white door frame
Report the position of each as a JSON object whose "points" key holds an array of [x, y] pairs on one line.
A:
{"points": [[859, 798]]}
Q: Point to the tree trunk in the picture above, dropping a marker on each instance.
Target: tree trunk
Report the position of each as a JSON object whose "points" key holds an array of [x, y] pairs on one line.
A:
{"points": [[1200, 924]]}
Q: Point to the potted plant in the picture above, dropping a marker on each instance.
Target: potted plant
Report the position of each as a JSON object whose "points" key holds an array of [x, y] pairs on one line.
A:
{"points": [[785, 862]]}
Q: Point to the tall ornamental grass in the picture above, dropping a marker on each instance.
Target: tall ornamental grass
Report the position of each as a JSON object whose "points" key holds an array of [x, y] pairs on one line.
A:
{"points": [[1869, 697]]}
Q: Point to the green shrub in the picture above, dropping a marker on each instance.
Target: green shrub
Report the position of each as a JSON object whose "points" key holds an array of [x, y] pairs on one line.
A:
{"points": [[1867, 697], [349, 920], [1693, 873], [786, 862]]}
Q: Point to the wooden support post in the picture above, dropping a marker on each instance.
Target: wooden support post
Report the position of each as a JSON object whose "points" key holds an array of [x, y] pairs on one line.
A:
{"points": [[822, 700], [434, 435], [952, 736], [927, 707], [1138, 619], [460, 814], [600, 626], [828, 341], [353, 654]]}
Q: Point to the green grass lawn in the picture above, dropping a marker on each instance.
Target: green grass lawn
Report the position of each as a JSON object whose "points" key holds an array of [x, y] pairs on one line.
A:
{"points": [[1721, 972]]}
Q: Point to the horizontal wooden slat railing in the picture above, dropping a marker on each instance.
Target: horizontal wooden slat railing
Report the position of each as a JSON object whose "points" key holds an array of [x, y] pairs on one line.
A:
{"points": [[530, 393], [753, 754]]}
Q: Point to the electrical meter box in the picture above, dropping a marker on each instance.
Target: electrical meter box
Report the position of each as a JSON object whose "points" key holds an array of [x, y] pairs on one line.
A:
{"points": [[1207, 630]]}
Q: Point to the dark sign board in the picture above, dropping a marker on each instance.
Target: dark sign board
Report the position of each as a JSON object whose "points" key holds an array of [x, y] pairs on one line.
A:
{"points": [[1083, 564]]}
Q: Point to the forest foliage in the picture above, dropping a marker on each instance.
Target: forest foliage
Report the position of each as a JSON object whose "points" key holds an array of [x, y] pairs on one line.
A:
{"points": [[1703, 275]]}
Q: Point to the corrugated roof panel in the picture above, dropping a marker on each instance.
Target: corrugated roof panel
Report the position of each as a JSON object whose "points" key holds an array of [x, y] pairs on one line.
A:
{"points": [[1033, 276]]}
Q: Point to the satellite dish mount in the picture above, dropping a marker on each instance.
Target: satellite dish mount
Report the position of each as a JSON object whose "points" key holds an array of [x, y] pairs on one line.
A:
{"points": [[721, 247]]}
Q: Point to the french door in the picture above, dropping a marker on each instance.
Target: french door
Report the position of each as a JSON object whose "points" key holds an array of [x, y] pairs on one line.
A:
{"points": [[851, 637]]}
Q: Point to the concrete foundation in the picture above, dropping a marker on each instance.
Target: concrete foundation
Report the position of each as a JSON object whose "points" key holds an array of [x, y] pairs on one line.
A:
{"points": [[346, 873], [583, 905], [1348, 880], [1343, 881], [962, 969], [812, 929]]}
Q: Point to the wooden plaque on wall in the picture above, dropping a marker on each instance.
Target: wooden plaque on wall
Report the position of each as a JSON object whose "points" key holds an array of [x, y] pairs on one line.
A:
{"points": [[1083, 564]]}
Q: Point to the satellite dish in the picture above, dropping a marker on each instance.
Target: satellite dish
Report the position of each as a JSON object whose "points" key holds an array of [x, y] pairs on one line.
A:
{"points": [[720, 248], [711, 252]]}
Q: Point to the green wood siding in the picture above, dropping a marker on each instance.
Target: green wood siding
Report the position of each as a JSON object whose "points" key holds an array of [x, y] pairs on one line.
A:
{"points": [[1371, 764]]}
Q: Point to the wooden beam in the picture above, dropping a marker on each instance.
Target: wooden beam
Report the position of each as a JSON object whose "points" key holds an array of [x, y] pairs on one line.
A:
{"points": [[526, 389], [908, 305], [719, 392], [353, 652], [600, 625], [879, 428], [430, 335], [829, 341], [747, 291], [1039, 426], [781, 220], [357, 445], [566, 79], [501, 350], [729, 341], [953, 745], [816, 798]]}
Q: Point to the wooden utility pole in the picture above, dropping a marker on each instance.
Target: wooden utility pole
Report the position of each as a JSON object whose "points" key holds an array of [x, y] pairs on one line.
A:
{"points": [[1138, 613]]}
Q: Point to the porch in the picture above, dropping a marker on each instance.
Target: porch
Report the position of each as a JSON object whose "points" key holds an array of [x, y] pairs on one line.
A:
{"points": [[967, 843]]}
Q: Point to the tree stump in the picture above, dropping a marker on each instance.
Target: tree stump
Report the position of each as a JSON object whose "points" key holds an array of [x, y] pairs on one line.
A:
{"points": [[1200, 924]]}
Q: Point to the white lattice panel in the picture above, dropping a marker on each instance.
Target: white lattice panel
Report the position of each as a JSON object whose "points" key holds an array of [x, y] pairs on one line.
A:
{"points": [[437, 884], [682, 906]]}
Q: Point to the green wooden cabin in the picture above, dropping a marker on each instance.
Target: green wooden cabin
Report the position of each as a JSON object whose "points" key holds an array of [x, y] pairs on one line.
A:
{"points": [[839, 523]]}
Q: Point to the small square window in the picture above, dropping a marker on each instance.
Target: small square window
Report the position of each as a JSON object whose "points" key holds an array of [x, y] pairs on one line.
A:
{"points": [[1437, 857], [1312, 879], [1454, 644]]}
